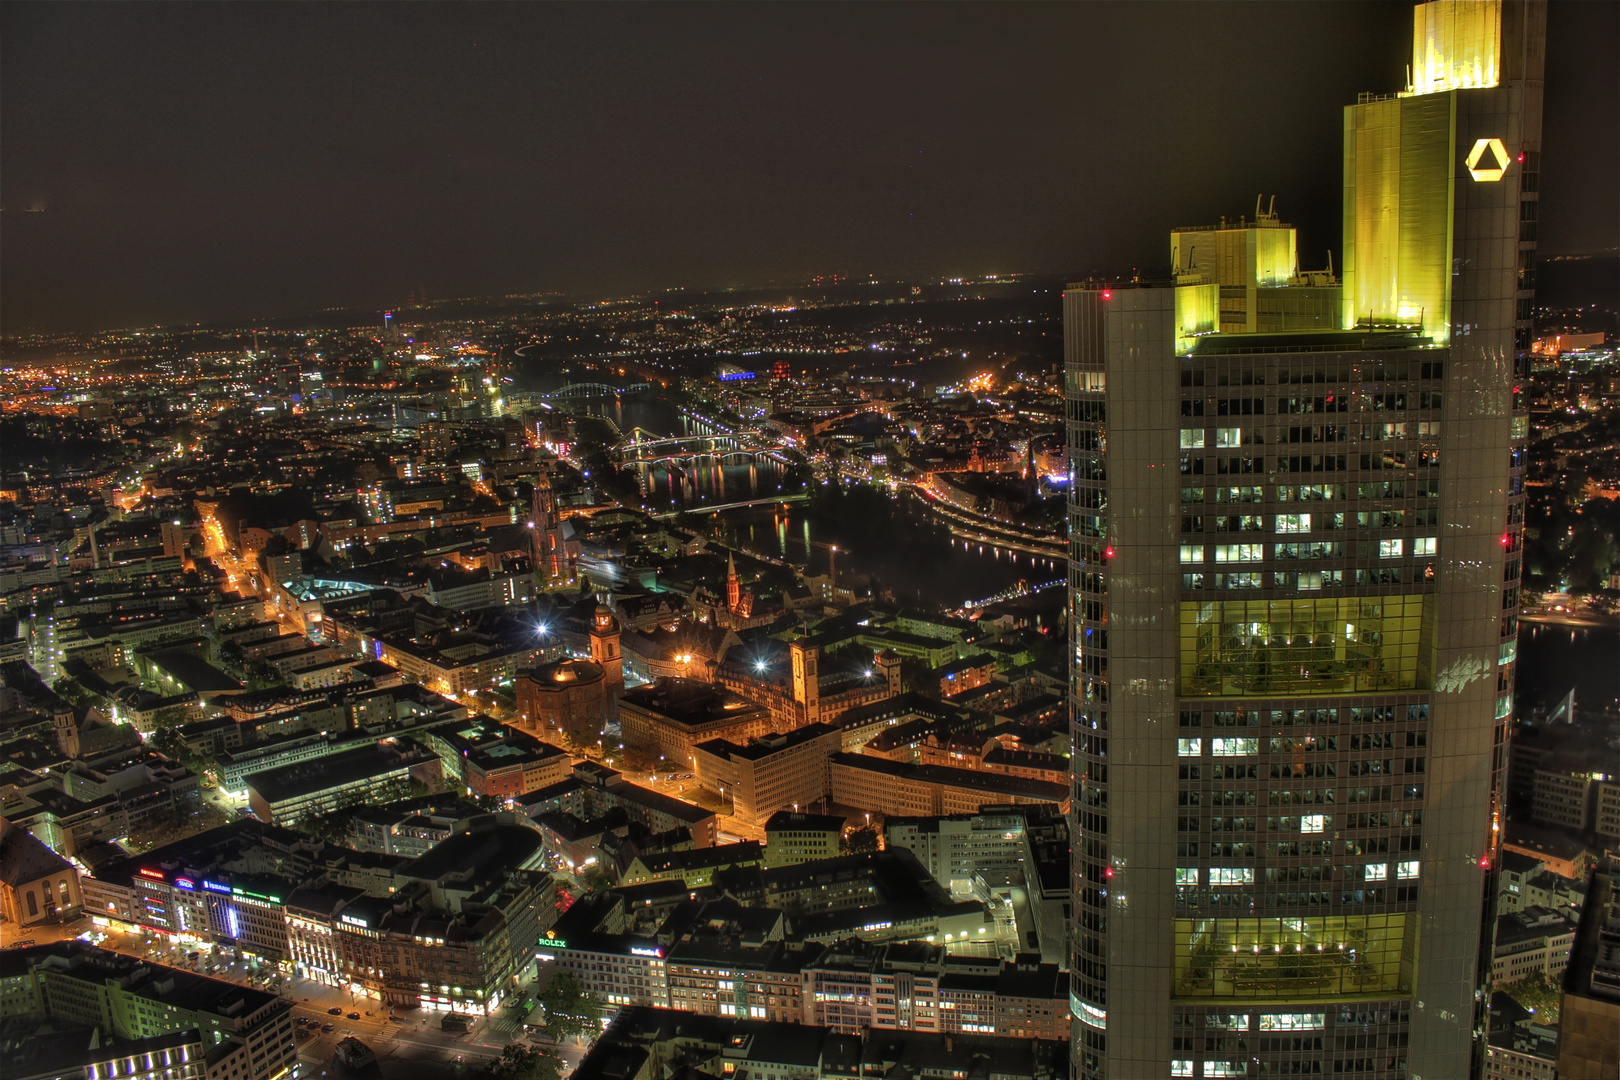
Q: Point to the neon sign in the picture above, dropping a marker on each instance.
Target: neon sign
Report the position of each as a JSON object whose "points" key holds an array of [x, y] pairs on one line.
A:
{"points": [[641, 951], [215, 887], [257, 896], [155, 875], [185, 883]]}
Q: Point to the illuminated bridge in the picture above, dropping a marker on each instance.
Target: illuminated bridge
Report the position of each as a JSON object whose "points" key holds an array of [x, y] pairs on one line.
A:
{"points": [[595, 389], [743, 447]]}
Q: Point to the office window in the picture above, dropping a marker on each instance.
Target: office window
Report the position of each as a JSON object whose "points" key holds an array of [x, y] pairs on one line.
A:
{"points": [[1234, 747]]}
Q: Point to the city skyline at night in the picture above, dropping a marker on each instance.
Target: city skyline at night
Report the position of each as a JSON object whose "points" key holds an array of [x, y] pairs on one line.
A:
{"points": [[1035, 542]]}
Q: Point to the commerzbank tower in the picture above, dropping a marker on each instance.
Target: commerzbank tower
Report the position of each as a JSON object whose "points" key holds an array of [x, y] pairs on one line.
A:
{"points": [[1296, 526]]}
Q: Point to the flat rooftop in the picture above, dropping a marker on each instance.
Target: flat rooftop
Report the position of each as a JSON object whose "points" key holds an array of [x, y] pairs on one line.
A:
{"points": [[334, 770], [688, 702]]}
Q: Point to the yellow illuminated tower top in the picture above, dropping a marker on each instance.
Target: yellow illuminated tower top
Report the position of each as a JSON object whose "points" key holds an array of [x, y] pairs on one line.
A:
{"points": [[1414, 213], [1243, 277], [1456, 45]]}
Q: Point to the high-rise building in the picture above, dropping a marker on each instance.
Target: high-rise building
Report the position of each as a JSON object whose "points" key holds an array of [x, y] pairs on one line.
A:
{"points": [[1295, 527]]}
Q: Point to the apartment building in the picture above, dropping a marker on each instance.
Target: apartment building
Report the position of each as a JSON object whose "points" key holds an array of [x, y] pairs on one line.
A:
{"points": [[792, 838]]}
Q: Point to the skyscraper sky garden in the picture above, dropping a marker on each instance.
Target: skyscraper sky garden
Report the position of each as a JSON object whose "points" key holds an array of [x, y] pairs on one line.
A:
{"points": [[1295, 521]]}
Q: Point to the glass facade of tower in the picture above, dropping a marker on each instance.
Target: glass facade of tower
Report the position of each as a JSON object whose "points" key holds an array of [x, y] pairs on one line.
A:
{"points": [[1294, 577]]}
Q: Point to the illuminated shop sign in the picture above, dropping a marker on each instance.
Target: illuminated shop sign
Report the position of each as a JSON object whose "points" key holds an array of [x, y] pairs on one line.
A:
{"points": [[185, 883], [256, 896], [213, 886]]}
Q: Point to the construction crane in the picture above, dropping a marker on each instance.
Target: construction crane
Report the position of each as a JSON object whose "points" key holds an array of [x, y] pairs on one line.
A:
{"points": [[832, 558]]}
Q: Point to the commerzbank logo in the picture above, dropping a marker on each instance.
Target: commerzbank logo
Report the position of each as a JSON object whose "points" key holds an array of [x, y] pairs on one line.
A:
{"points": [[1488, 160]]}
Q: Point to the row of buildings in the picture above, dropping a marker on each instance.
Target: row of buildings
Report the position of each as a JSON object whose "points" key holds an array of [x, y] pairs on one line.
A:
{"points": [[720, 958], [451, 927], [71, 1009]]}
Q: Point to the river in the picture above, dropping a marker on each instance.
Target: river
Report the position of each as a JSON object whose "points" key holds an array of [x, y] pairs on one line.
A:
{"points": [[1553, 659], [876, 535]]}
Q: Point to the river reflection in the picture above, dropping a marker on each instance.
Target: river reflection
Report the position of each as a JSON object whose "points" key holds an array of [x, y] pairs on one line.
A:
{"points": [[1555, 658], [876, 534]]}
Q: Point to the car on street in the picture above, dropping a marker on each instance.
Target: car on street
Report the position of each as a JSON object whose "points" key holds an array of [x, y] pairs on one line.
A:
{"points": [[335, 1010], [328, 1028], [354, 1016]]}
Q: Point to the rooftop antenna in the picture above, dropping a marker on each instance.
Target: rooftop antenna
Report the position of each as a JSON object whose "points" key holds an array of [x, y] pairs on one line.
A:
{"points": [[1271, 211], [1257, 200]]}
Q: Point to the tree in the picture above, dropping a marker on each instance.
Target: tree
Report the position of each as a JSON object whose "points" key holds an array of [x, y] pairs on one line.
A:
{"points": [[862, 841], [520, 1062], [596, 878], [168, 718], [168, 742], [570, 1009], [1592, 552], [1539, 994], [917, 677]]}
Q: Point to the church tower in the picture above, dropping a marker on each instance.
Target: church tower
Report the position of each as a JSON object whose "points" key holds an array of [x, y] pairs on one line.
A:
{"points": [[807, 679], [733, 586], [605, 645]]}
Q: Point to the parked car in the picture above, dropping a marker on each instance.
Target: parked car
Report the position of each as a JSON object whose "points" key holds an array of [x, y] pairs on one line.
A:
{"points": [[335, 1010], [328, 1028], [354, 1016]]}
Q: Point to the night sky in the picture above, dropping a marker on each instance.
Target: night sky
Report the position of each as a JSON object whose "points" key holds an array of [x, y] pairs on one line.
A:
{"points": [[232, 161]]}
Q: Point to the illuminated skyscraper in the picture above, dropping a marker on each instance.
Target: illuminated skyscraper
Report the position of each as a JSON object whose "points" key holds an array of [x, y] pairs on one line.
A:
{"points": [[1295, 528]]}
